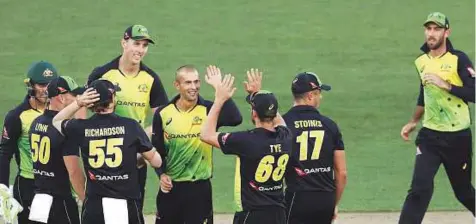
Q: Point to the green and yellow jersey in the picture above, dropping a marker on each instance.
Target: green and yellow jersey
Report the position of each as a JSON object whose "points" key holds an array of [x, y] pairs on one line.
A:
{"points": [[176, 136], [138, 93], [15, 141], [446, 111]]}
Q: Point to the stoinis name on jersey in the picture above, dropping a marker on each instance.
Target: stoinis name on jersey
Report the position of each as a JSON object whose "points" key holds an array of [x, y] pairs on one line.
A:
{"points": [[308, 124], [100, 132]]}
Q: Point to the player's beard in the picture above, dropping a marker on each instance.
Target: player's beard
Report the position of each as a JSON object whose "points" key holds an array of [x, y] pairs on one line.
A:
{"points": [[437, 44]]}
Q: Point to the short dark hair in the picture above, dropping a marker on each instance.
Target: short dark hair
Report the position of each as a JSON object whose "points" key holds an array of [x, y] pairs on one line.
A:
{"points": [[264, 119], [101, 107], [299, 96]]}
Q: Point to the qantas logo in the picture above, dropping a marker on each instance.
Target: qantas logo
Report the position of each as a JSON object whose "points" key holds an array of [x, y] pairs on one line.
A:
{"points": [[91, 176], [306, 172], [253, 185], [300, 172], [43, 173], [107, 178]]}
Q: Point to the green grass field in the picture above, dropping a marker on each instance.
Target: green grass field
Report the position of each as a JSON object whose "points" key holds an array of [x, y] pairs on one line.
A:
{"points": [[364, 49]]}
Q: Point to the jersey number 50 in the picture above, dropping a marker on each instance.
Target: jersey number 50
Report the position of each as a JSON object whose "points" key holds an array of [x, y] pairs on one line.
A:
{"points": [[97, 156], [265, 168], [41, 148]]}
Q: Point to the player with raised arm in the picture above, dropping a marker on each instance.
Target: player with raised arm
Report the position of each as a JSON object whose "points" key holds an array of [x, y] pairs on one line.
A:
{"points": [[109, 144], [262, 153], [185, 194]]}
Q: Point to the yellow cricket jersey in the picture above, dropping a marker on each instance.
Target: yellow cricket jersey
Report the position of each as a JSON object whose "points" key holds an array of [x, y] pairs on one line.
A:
{"points": [[176, 136], [138, 93], [15, 141], [446, 111]]}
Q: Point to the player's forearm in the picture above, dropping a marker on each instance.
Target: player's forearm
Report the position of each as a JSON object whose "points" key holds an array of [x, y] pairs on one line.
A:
{"points": [[418, 114], [76, 176], [208, 133], [64, 114], [153, 157], [156, 161], [341, 181], [78, 181]]}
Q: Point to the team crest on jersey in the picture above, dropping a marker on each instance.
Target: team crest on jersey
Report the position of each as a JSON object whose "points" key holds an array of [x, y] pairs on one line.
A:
{"points": [[143, 88], [197, 120], [445, 67], [5, 133]]}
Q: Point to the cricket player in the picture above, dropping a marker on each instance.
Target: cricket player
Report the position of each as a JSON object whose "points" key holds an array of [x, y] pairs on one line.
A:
{"points": [[141, 88], [109, 144], [262, 153], [185, 194], [316, 173], [15, 141], [446, 87], [53, 201]]}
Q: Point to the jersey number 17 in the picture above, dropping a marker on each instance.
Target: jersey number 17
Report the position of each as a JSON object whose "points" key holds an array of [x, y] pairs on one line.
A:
{"points": [[303, 141]]}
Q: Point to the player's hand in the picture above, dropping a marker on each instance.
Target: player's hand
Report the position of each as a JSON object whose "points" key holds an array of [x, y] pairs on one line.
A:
{"points": [[336, 210], [213, 76], [253, 83], [88, 98], [430, 78], [225, 90], [165, 183], [407, 129]]}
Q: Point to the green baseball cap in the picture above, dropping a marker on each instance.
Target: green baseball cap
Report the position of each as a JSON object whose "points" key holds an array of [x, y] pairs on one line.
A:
{"points": [[41, 72], [137, 32], [62, 85], [439, 19]]}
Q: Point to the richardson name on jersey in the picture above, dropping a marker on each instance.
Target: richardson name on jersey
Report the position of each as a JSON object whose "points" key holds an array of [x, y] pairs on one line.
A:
{"points": [[308, 124], [131, 104], [100, 132], [44, 173]]}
